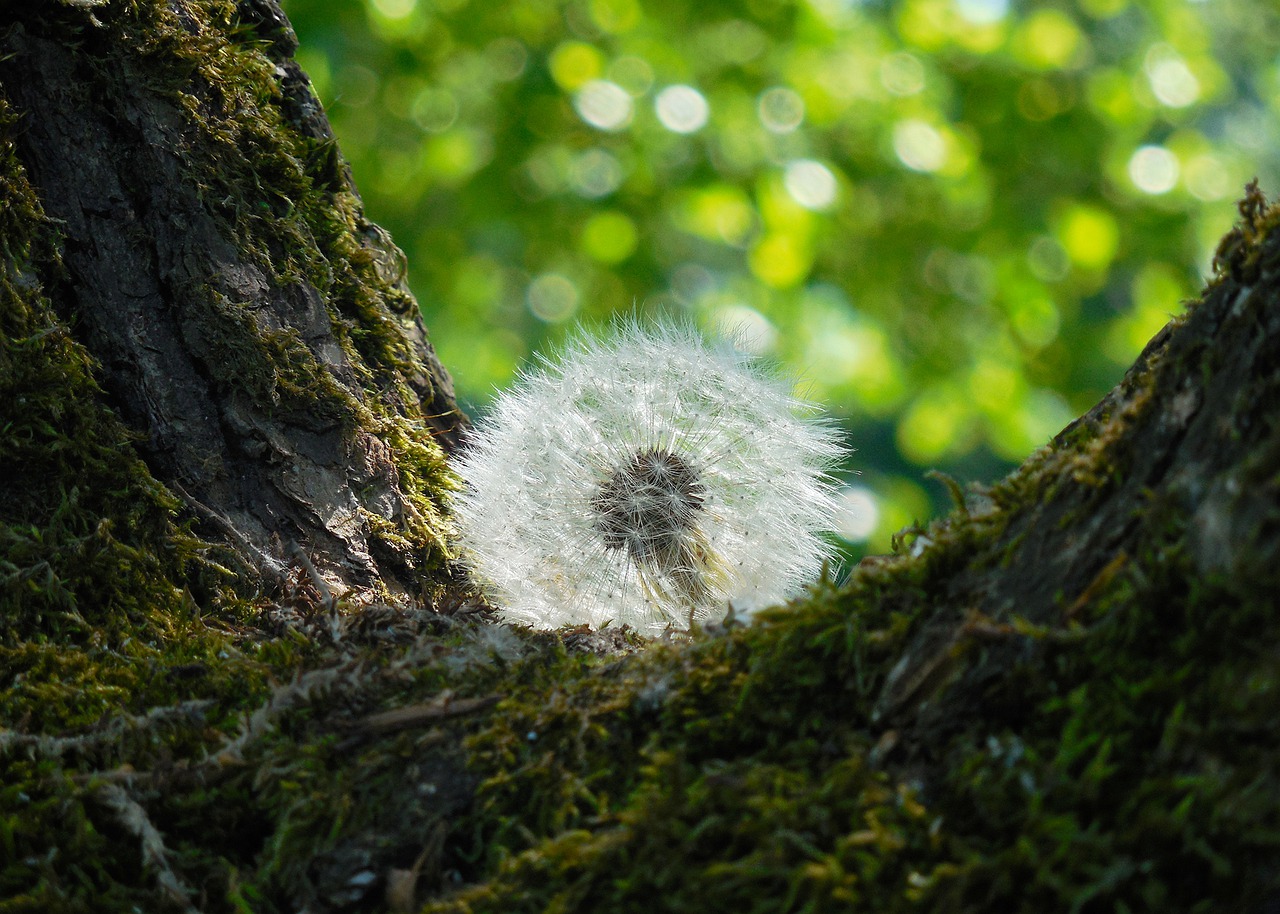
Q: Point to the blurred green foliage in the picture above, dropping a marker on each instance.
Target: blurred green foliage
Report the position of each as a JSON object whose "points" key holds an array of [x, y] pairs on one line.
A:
{"points": [[957, 221]]}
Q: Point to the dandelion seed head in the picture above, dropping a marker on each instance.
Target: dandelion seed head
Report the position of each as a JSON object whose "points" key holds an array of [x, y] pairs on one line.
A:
{"points": [[645, 478], [647, 506]]}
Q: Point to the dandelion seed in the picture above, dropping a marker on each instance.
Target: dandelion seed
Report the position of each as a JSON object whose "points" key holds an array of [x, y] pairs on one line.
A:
{"points": [[645, 478]]}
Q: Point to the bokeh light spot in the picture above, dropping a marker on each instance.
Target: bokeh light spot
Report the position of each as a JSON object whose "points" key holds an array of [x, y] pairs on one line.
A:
{"points": [[552, 298], [1048, 39], [1040, 99], [1207, 178], [780, 260], [848, 356], [857, 514], [745, 327], [919, 146], [811, 184], [395, 9], [902, 74], [737, 41], [982, 12], [357, 86], [933, 425], [720, 212], [632, 73], [1103, 9], [506, 58], [994, 383], [1089, 235], [434, 110], [454, 156], [595, 173], [1153, 170], [1047, 259], [1036, 320], [691, 283], [574, 64], [615, 16], [1172, 81], [781, 110], [609, 237], [1109, 92], [604, 105], [682, 109]]}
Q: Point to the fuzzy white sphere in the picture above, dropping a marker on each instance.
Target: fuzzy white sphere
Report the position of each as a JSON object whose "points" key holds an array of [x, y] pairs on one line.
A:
{"points": [[646, 479]]}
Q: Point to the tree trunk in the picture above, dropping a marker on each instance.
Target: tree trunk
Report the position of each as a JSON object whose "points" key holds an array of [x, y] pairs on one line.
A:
{"points": [[1063, 697], [247, 322]]}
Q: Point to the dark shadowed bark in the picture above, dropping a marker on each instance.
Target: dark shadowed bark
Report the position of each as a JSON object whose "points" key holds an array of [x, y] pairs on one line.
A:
{"points": [[248, 322]]}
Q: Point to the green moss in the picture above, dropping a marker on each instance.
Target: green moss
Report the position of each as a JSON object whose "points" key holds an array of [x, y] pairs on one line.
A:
{"points": [[1123, 768], [122, 643], [90, 545]]}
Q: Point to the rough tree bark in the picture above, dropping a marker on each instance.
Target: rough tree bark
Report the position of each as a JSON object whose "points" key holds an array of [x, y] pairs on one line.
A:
{"points": [[250, 324], [1061, 697]]}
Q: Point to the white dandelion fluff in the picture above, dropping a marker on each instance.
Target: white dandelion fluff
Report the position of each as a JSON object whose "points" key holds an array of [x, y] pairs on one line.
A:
{"points": [[645, 478]]}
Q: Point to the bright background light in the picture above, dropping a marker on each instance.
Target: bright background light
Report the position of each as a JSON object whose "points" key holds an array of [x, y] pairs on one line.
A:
{"points": [[953, 222]]}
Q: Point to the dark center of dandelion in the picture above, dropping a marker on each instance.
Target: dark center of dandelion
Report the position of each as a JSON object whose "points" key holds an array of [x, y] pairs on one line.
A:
{"points": [[648, 505]]}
